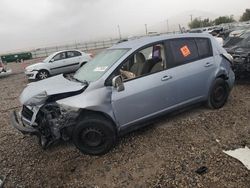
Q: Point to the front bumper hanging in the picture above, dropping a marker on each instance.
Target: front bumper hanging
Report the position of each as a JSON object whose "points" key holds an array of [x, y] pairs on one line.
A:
{"points": [[16, 122]]}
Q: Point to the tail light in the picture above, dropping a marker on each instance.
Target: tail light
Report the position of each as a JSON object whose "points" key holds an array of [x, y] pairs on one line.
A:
{"points": [[91, 55], [228, 57]]}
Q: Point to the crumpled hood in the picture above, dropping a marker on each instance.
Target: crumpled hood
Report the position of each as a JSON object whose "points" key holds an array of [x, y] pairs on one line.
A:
{"points": [[54, 85], [239, 50]]}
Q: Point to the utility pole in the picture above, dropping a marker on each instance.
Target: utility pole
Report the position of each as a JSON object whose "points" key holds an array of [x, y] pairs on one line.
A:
{"points": [[146, 29], [167, 26], [191, 17], [119, 32], [201, 25]]}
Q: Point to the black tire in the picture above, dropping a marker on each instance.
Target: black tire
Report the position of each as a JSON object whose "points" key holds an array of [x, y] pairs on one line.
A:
{"points": [[218, 94], [94, 135], [42, 74]]}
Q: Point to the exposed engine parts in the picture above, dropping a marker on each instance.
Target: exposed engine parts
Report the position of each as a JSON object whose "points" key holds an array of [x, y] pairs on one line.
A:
{"points": [[241, 65], [51, 121]]}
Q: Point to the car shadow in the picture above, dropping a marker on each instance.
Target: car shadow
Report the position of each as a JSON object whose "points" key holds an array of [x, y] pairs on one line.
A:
{"points": [[243, 81], [160, 120]]}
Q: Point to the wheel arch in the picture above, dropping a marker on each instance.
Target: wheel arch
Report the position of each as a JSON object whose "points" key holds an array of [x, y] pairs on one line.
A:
{"points": [[44, 69], [87, 112], [223, 76], [83, 63]]}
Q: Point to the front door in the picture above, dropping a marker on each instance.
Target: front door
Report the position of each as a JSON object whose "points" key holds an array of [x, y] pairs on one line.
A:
{"points": [[57, 65], [147, 88]]}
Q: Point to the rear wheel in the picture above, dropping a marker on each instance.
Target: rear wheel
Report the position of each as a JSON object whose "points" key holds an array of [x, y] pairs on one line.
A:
{"points": [[83, 63], [219, 94], [42, 74], [94, 135]]}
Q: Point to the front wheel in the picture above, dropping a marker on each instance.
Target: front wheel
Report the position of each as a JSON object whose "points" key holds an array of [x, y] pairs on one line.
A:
{"points": [[219, 94], [42, 74], [94, 135]]}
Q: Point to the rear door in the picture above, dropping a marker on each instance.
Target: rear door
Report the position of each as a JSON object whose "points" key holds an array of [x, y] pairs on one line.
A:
{"points": [[191, 65], [73, 60]]}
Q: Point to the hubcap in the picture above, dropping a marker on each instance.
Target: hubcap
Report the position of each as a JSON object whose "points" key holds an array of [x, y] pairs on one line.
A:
{"points": [[92, 137], [43, 75], [219, 94]]}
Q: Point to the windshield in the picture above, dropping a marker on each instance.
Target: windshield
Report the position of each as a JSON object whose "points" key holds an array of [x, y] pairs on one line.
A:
{"points": [[95, 68], [47, 59], [240, 41], [245, 43], [231, 41]]}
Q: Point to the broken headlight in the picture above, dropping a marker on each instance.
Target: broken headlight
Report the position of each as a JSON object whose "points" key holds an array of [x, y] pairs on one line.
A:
{"points": [[37, 99]]}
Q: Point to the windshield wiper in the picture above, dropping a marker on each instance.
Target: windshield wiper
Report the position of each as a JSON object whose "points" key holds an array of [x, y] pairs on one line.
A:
{"points": [[85, 82]]}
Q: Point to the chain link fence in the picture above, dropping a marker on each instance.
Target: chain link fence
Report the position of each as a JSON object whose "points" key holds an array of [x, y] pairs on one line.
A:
{"points": [[87, 47]]}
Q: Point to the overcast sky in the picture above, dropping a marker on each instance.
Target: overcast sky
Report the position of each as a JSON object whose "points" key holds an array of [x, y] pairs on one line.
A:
{"points": [[26, 24]]}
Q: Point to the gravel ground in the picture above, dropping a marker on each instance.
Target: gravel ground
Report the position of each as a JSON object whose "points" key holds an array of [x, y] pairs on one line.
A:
{"points": [[165, 154]]}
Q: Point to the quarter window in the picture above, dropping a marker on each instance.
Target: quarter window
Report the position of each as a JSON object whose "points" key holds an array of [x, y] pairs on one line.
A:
{"points": [[204, 47], [73, 54]]}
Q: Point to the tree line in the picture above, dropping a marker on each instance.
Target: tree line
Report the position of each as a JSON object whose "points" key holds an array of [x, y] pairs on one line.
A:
{"points": [[198, 22]]}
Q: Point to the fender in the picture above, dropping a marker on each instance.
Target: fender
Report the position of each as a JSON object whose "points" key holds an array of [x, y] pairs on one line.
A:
{"points": [[98, 100]]}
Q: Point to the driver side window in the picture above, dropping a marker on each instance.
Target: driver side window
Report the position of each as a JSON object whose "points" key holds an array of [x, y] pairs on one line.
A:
{"points": [[146, 61], [60, 56]]}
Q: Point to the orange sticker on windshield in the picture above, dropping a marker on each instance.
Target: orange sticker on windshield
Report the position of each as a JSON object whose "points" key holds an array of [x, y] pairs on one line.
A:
{"points": [[185, 51]]}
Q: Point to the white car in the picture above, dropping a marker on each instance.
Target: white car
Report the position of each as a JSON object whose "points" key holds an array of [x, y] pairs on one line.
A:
{"points": [[57, 63], [3, 69]]}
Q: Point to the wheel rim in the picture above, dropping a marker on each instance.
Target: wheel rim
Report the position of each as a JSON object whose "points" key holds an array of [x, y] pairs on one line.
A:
{"points": [[92, 137], [43, 75], [219, 94]]}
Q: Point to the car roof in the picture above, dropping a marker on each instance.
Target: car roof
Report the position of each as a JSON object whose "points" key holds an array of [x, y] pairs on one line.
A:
{"points": [[137, 43], [55, 53], [67, 51]]}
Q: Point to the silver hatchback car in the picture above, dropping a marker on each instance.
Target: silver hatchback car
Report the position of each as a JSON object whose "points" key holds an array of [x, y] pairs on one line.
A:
{"points": [[123, 87]]}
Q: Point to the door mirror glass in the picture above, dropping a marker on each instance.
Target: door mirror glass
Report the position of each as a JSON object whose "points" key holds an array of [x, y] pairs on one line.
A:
{"points": [[117, 83]]}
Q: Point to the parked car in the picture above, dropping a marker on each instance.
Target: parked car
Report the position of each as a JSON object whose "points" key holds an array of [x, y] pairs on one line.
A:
{"points": [[4, 71], [240, 52], [17, 57], [57, 63], [234, 37], [2, 67], [125, 86]]}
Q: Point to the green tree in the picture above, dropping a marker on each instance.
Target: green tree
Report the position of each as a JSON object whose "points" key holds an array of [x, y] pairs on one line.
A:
{"points": [[223, 19], [245, 16], [197, 23]]}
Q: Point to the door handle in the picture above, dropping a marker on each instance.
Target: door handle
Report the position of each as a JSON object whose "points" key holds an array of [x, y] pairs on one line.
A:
{"points": [[165, 78], [208, 64]]}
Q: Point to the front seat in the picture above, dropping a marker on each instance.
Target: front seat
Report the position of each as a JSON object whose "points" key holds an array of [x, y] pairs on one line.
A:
{"points": [[138, 65]]}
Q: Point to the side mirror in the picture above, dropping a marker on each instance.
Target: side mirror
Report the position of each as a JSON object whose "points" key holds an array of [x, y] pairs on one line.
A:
{"points": [[52, 60], [117, 83]]}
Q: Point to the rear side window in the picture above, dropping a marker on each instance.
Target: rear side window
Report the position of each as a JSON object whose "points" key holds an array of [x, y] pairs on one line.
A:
{"points": [[76, 53], [183, 51], [73, 54], [204, 47]]}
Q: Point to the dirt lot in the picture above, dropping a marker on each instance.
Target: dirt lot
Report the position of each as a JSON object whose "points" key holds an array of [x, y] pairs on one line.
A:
{"points": [[165, 154]]}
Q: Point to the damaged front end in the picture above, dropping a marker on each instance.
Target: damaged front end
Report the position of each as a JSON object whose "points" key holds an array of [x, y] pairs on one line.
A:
{"points": [[50, 123], [241, 65], [42, 116]]}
